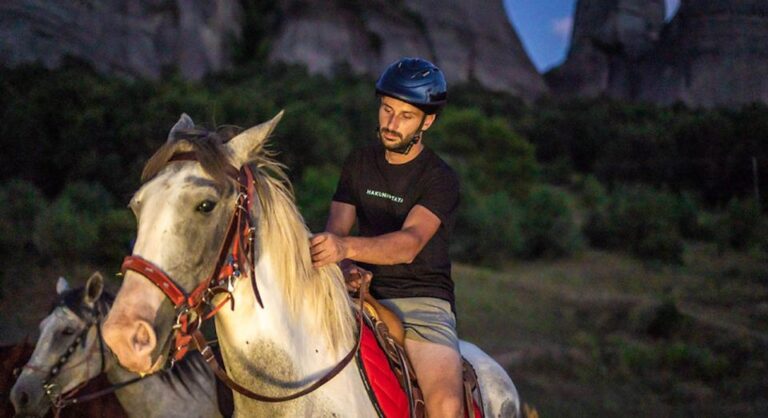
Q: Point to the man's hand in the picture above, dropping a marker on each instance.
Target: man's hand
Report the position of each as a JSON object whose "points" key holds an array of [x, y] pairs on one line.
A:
{"points": [[327, 248], [355, 276]]}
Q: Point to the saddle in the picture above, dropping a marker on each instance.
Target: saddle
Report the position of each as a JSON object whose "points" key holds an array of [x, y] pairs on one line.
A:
{"points": [[387, 330]]}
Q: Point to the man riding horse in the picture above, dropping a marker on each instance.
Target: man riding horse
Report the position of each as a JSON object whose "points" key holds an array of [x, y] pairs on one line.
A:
{"points": [[404, 199]]}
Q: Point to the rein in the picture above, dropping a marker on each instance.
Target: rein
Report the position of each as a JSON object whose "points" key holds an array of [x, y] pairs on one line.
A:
{"points": [[190, 306], [202, 345]]}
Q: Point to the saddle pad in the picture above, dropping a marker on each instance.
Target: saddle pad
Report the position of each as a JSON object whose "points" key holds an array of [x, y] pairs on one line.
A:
{"points": [[388, 397]]}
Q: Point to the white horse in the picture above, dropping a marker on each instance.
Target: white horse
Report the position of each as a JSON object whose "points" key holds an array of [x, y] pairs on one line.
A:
{"points": [[69, 353], [306, 325]]}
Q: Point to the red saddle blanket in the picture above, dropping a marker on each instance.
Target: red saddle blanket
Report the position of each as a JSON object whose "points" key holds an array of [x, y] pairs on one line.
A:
{"points": [[388, 397]]}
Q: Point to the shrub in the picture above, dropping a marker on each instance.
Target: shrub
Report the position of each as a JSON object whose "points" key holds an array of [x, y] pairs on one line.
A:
{"points": [[641, 220], [314, 193], [22, 203], [488, 229], [548, 225], [499, 159], [593, 193], [739, 226], [116, 232], [69, 227]]}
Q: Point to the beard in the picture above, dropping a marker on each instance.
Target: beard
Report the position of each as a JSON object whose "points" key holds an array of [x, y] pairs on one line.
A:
{"points": [[391, 144]]}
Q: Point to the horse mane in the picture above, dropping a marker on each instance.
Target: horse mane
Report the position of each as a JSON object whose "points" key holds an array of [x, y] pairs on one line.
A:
{"points": [[321, 291], [72, 299]]}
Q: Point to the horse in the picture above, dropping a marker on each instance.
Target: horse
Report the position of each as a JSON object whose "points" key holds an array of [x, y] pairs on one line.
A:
{"points": [[284, 326], [70, 353]]}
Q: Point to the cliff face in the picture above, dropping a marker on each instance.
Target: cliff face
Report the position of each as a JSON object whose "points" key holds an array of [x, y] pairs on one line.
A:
{"points": [[609, 38], [714, 52], [468, 39], [137, 38]]}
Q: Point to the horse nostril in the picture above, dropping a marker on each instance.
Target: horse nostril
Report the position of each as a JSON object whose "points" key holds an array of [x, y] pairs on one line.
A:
{"points": [[23, 399]]}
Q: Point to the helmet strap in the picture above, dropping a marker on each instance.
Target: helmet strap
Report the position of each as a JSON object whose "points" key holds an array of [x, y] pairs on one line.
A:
{"points": [[406, 148]]}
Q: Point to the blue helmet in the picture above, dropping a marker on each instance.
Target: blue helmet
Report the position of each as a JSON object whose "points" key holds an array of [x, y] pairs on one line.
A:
{"points": [[415, 81]]}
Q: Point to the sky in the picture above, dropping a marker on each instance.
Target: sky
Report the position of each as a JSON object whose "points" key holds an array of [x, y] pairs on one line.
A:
{"points": [[545, 26]]}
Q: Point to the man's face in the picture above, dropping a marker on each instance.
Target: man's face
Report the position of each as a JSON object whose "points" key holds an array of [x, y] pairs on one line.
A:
{"points": [[399, 122]]}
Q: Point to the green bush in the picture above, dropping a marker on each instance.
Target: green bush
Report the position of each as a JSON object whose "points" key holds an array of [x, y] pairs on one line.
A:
{"points": [[488, 229], [641, 220], [594, 196], [498, 158], [689, 217], [548, 225], [22, 203], [740, 225], [69, 227], [314, 193], [116, 232]]}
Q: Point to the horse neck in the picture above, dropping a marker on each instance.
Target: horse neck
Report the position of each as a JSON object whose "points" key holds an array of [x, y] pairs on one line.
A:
{"points": [[296, 334], [187, 390], [273, 352]]}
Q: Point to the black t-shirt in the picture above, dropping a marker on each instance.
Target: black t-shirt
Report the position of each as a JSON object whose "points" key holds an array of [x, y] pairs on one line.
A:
{"points": [[383, 195]]}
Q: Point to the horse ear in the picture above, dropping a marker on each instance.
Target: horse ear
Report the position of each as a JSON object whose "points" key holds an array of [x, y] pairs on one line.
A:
{"points": [[185, 122], [93, 288], [61, 285], [250, 140]]}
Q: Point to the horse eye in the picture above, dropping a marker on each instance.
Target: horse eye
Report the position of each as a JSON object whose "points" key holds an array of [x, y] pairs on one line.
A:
{"points": [[68, 331], [206, 206]]}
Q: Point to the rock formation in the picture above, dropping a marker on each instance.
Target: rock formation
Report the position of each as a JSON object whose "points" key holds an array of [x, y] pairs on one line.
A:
{"points": [[468, 39], [713, 53], [609, 38], [138, 38]]}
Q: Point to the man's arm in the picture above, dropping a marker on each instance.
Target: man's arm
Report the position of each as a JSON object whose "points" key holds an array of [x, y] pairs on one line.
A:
{"points": [[341, 218], [393, 248]]}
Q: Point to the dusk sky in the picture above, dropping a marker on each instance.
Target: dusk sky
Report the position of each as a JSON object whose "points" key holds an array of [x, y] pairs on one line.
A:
{"points": [[544, 27]]}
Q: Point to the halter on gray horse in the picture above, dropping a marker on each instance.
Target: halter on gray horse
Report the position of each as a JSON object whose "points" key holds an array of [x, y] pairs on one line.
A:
{"points": [[70, 352]]}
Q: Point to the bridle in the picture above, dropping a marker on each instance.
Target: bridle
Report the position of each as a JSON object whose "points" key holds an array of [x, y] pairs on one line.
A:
{"points": [[60, 400], [52, 390], [235, 251]]}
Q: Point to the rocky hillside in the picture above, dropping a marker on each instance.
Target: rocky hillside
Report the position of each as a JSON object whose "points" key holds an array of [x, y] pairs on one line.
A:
{"points": [[136, 38], [470, 39], [714, 52]]}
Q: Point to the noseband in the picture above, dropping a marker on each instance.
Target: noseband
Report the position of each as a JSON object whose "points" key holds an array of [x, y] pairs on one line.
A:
{"points": [[235, 251]]}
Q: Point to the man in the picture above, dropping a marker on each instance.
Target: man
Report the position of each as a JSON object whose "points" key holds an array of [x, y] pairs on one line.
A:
{"points": [[404, 198]]}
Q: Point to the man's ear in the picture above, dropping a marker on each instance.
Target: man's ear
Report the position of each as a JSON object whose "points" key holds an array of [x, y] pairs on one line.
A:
{"points": [[243, 147], [428, 121]]}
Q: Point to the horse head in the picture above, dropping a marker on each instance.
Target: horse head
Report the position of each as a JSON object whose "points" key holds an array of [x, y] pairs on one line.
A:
{"points": [[69, 351], [184, 209]]}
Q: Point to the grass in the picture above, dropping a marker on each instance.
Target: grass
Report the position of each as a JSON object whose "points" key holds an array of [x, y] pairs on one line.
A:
{"points": [[602, 334], [597, 334]]}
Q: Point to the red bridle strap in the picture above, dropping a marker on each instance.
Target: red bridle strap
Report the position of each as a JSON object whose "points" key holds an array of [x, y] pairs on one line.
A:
{"points": [[156, 276], [230, 260]]}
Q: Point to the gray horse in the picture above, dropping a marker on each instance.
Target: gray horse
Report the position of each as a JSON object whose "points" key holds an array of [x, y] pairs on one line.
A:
{"points": [[70, 352]]}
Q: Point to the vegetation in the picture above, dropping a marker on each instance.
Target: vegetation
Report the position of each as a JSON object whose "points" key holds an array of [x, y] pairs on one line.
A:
{"points": [[637, 177]]}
